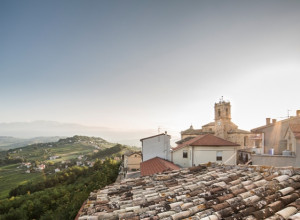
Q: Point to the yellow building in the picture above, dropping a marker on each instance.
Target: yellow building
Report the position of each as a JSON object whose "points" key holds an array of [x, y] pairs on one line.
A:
{"points": [[132, 161]]}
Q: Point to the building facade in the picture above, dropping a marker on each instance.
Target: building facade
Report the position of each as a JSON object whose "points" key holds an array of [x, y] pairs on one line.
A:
{"points": [[156, 146], [280, 141], [132, 161], [203, 149]]}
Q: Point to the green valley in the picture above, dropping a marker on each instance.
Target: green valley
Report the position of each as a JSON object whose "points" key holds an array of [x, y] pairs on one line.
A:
{"points": [[64, 172]]}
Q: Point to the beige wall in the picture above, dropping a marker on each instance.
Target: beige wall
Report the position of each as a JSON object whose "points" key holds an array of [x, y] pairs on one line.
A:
{"points": [[274, 133], [274, 160], [239, 139], [291, 140], [133, 162], [208, 128]]}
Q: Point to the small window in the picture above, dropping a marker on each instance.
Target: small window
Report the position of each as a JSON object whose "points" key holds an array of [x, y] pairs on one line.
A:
{"points": [[219, 112], [219, 156], [226, 111], [245, 141], [185, 154]]}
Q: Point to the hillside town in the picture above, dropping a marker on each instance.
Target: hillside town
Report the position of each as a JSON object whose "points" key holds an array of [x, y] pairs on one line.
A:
{"points": [[221, 141], [216, 172]]}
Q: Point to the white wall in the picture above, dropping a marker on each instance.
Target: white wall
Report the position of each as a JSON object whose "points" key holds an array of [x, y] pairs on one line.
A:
{"points": [[177, 157], [204, 154], [158, 146], [207, 154]]}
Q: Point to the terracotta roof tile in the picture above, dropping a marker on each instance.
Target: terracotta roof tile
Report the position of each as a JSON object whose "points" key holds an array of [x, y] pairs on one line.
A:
{"points": [[206, 140], [206, 193], [156, 165]]}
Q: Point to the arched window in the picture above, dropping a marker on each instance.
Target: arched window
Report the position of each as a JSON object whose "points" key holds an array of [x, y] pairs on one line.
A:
{"points": [[219, 112]]}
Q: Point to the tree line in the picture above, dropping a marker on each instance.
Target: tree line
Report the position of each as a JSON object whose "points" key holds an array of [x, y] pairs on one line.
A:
{"points": [[59, 196]]}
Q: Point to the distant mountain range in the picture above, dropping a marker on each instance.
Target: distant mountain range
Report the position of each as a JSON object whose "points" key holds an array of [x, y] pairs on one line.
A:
{"points": [[31, 130], [7, 143]]}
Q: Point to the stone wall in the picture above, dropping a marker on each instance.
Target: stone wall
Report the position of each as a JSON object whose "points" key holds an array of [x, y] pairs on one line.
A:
{"points": [[239, 138], [274, 160]]}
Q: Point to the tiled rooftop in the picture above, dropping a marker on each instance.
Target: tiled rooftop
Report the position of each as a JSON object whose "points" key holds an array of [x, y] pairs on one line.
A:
{"points": [[207, 193], [156, 165], [206, 140]]}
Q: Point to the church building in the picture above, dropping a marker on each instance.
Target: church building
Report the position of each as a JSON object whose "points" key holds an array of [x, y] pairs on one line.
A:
{"points": [[222, 127]]}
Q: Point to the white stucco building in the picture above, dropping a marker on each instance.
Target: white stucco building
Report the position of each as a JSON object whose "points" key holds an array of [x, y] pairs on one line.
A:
{"points": [[203, 149], [156, 146]]}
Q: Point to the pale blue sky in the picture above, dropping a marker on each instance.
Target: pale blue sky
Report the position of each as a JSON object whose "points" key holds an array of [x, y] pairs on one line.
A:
{"points": [[143, 64]]}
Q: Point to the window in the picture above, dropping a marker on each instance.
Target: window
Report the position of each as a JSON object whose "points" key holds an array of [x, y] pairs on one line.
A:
{"points": [[245, 141], [226, 111], [219, 112], [185, 154], [219, 155]]}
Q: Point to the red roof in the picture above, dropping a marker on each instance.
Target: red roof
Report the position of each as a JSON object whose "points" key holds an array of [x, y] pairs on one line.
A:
{"points": [[156, 165], [206, 140]]}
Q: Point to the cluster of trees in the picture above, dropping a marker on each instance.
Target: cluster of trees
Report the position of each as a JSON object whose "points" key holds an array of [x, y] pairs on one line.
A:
{"points": [[115, 150], [9, 160], [59, 196]]}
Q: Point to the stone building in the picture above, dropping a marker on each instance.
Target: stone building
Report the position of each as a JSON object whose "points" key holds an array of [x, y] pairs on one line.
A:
{"points": [[280, 142], [132, 161], [222, 127]]}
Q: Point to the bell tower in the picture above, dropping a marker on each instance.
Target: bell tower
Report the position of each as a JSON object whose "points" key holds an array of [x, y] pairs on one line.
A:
{"points": [[222, 118]]}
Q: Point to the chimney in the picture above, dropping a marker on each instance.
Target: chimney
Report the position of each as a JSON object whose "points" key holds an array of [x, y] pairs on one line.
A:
{"points": [[298, 113], [268, 120], [166, 132], [273, 121]]}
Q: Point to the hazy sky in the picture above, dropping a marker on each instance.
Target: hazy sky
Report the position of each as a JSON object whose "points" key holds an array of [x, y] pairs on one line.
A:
{"points": [[144, 64]]}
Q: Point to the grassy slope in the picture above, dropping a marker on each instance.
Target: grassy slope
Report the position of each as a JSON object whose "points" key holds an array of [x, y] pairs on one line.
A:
{"points": [[11, 177], [67, 149]]}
